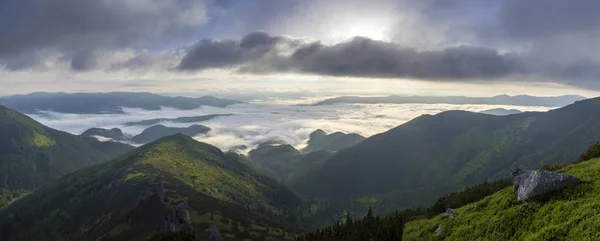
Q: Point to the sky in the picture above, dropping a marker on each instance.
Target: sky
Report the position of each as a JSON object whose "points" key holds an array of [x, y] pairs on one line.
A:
{"points": [[301, 48]]}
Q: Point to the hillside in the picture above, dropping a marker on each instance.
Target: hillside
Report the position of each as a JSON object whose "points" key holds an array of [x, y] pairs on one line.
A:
{"points": [[156, 132], [522, 100], [319, 140], [570, 214], [175, 183], [98, 103], [32, 154], [427, 157], [285, 163], [114, 133]]}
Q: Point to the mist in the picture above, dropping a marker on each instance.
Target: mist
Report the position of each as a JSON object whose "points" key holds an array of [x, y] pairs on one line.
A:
{"points": [[255, 123]]}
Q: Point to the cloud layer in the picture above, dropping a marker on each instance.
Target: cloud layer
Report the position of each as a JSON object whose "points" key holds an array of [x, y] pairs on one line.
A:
{"points": [[253, 124]]}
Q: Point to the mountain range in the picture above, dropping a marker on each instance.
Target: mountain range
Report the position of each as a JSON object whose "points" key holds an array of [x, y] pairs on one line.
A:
{"points": [[173, 184], [320, 140], [148, 135], [519, 100], [102, 103], [57, 186], [286, 163], [186, 119], [32, 155], [416, 162]]}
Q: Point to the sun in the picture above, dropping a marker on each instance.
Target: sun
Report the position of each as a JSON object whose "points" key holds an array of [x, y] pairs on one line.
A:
{"points": [[376, 30]]}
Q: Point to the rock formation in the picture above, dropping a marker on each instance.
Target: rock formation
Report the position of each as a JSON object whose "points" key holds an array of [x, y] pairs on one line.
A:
{"points": [[215, 234], [529, 184], [450, 212]]}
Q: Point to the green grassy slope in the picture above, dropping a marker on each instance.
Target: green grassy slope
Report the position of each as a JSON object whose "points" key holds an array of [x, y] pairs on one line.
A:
{"points": [[413, 164], [32, 154], [130, 197], [570, 214]]}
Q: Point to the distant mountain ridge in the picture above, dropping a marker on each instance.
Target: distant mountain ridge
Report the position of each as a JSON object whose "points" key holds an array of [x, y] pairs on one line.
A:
{"points": [[286, 164], [501, 111], [519, 100], [114, 133], [101, 103], [149, 134], [32, 154], [431, 155], [320, 140], [156, 132], [185, 119]]}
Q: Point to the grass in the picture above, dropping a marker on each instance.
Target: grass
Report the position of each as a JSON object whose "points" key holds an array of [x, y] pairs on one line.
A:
{"points": [[40, 140], [569, 214]]}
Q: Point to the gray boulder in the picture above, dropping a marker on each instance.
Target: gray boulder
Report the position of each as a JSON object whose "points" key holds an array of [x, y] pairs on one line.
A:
{"points": [[438, 230], [450, 212], [529, 184], [215, 234]]}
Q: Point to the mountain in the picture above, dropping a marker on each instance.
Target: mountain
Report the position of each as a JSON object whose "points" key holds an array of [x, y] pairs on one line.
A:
{"points": [[158, 131], [284, 162], [98, 103], [501, 111], [172, 184], [276, 159], [569, 214], [416, 162], [114, 133], [520, 100], [187, 119], [319, 140], [31, 154]]}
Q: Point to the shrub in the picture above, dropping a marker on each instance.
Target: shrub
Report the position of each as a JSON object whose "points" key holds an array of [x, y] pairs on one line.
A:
{"points": [[592, 152]]}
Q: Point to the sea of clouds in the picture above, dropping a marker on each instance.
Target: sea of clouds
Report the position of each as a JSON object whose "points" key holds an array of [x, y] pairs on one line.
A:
{"points": [[254, 123]]}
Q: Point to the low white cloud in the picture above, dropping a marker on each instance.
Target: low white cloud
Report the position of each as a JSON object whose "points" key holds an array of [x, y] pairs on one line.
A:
{"points": [[255, 123]]}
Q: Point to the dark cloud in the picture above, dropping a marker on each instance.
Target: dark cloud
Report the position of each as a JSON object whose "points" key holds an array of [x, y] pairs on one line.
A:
{"points": [[363, 57], [208, 53], [534, 19], [370, 58], [69, 26], [359, 56], [83, 61]]}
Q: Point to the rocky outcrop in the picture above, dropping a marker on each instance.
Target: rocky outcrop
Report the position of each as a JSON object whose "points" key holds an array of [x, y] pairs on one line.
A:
{"points": [[450, 212], [529, 184], [177, 219], [215, 234], [438, 230]]}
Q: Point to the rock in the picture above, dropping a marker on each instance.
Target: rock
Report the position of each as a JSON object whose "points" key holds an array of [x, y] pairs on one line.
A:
{"points": [[450, 212], [177, 218], [529, 184], [438, 230], [215, 234]]}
